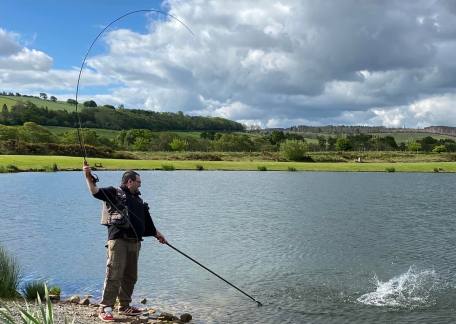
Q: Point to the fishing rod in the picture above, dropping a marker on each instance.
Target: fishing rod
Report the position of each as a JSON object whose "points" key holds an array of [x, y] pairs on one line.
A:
{"points": [[218, 276], [81, 139], [79, 129]]}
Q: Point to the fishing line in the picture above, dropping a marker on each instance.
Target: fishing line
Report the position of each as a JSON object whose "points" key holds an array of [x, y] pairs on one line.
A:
{"points": [[79, 128], [84, 151]]}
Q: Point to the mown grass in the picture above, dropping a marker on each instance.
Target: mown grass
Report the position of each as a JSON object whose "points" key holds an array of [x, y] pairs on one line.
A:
{"points": [[41, 163]]}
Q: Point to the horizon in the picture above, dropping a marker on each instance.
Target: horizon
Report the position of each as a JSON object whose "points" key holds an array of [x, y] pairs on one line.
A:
{"points": [[266, 64]]}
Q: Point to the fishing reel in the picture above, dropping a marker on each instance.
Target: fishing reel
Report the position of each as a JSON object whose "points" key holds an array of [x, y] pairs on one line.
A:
{"points": [[94, 178]]}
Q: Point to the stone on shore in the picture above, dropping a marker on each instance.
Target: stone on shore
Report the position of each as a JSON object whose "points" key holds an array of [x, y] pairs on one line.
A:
{"points": [[85, 302], [186, 317], [74, 299]]}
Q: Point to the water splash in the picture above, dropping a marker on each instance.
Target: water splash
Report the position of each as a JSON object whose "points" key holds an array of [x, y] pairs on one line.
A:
{"points": [[412, 289]]}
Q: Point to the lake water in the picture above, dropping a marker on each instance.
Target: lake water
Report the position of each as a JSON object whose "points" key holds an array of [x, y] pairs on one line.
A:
{"points": [[312, 247]]}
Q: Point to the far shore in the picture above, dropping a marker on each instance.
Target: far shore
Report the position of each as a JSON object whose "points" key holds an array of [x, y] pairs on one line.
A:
{"points": [[34, 163]]}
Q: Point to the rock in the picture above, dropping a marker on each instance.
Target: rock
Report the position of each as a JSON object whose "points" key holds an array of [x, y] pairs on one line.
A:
{"points": [[186, 317], [167, 317], [85, 302], [74, 299], [144, 301], [54, 297]]}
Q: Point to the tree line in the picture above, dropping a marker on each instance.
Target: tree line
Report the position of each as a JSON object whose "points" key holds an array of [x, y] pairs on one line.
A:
{"points": [[116, 119]]}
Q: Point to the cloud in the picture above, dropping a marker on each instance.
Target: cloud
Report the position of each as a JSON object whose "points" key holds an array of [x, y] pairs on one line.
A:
{"points": [[278, 63], [8, 43]]}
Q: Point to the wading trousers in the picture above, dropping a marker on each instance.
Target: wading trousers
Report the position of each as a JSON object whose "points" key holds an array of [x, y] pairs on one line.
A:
{"points": [[121, 272]]}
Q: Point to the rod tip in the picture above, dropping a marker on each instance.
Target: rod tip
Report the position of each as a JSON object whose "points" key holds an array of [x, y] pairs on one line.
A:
{"points": [[259, 304]]}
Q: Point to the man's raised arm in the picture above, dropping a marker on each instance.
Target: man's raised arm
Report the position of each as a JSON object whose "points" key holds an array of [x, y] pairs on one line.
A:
{"points": [[89, 180]]}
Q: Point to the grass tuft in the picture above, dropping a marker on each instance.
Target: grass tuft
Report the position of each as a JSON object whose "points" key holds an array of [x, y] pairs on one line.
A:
{"points": [[168, 167], [291, 169], [9, 275], [262, 168], [199, 167], [390, 169], [33, 289]]}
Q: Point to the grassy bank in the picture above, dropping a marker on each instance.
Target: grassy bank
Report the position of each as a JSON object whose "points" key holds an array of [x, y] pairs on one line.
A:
{"points": [[45, 163]]}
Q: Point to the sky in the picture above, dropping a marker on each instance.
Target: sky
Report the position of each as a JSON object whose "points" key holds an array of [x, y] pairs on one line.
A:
{"points": [[263, 63]]}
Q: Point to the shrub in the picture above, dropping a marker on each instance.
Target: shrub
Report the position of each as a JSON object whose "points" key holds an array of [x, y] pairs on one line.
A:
{"points": [[292, 169], [390, 169], [199, 167], [54, 291], [294, 150], [9, 275], [168, 167], [12, 168], [262, 168]]}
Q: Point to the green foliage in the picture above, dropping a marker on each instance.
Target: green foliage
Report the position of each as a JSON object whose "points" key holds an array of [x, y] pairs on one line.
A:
{"points": [[33, 289], [55, 291], [90, 103], [12, 168], [439, 149], [294, 150], [262, 168], [234, 143], [168, 167], [414, 146], [178, 144], [291, 169], [390, 169], [108, 118], [31, 132], [343, 144], [199, 167], [71, 101], [10, 273], [43, 315]]}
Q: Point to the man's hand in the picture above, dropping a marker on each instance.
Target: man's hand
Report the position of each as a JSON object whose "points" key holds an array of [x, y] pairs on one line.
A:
{"points": [[159, 236], [89, 178], [87, 170]]}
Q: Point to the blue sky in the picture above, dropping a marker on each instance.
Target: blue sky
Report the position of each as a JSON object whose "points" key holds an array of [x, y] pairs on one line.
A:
{"points": [[266, 63], [65, 29]]}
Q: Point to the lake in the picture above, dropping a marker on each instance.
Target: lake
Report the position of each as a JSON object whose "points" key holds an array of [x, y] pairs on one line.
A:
{"points": [[313, 247]]}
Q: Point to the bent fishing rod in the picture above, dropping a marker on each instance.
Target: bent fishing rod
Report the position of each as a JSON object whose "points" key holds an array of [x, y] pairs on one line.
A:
{"points": [[218, 276], [81, 139]]}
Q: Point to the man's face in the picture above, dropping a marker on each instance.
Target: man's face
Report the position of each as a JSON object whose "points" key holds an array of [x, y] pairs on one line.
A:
{"points": [[133, 185]]}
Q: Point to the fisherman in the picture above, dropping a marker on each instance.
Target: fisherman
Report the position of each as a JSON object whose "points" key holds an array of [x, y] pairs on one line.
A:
{"points": [[128, 220]]}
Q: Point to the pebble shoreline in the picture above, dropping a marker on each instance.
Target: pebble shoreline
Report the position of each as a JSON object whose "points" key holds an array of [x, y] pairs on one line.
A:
{"points": [[87, 314]]}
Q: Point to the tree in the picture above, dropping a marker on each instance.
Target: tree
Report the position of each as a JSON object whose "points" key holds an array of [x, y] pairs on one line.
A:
{"points": [[439, 149], [71, 101], [321, 142], [90, 103], [331, 143], [4, 109], [178, 144], [31, 132], [54, 99], [294, 150], [414, 146], [43, 95], [109, 106], [343, 144], [277, 137]]}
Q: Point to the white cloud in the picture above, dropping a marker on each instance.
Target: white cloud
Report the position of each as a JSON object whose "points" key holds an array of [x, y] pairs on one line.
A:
{"points": [[274, 63]]}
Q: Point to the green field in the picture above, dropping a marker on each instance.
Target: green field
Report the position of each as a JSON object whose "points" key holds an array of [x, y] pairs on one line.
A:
{"points": [[41, 163], [58, 105]]}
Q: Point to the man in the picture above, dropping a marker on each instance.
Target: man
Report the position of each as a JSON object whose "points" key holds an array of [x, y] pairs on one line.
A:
{"points": [[125, 234]]}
